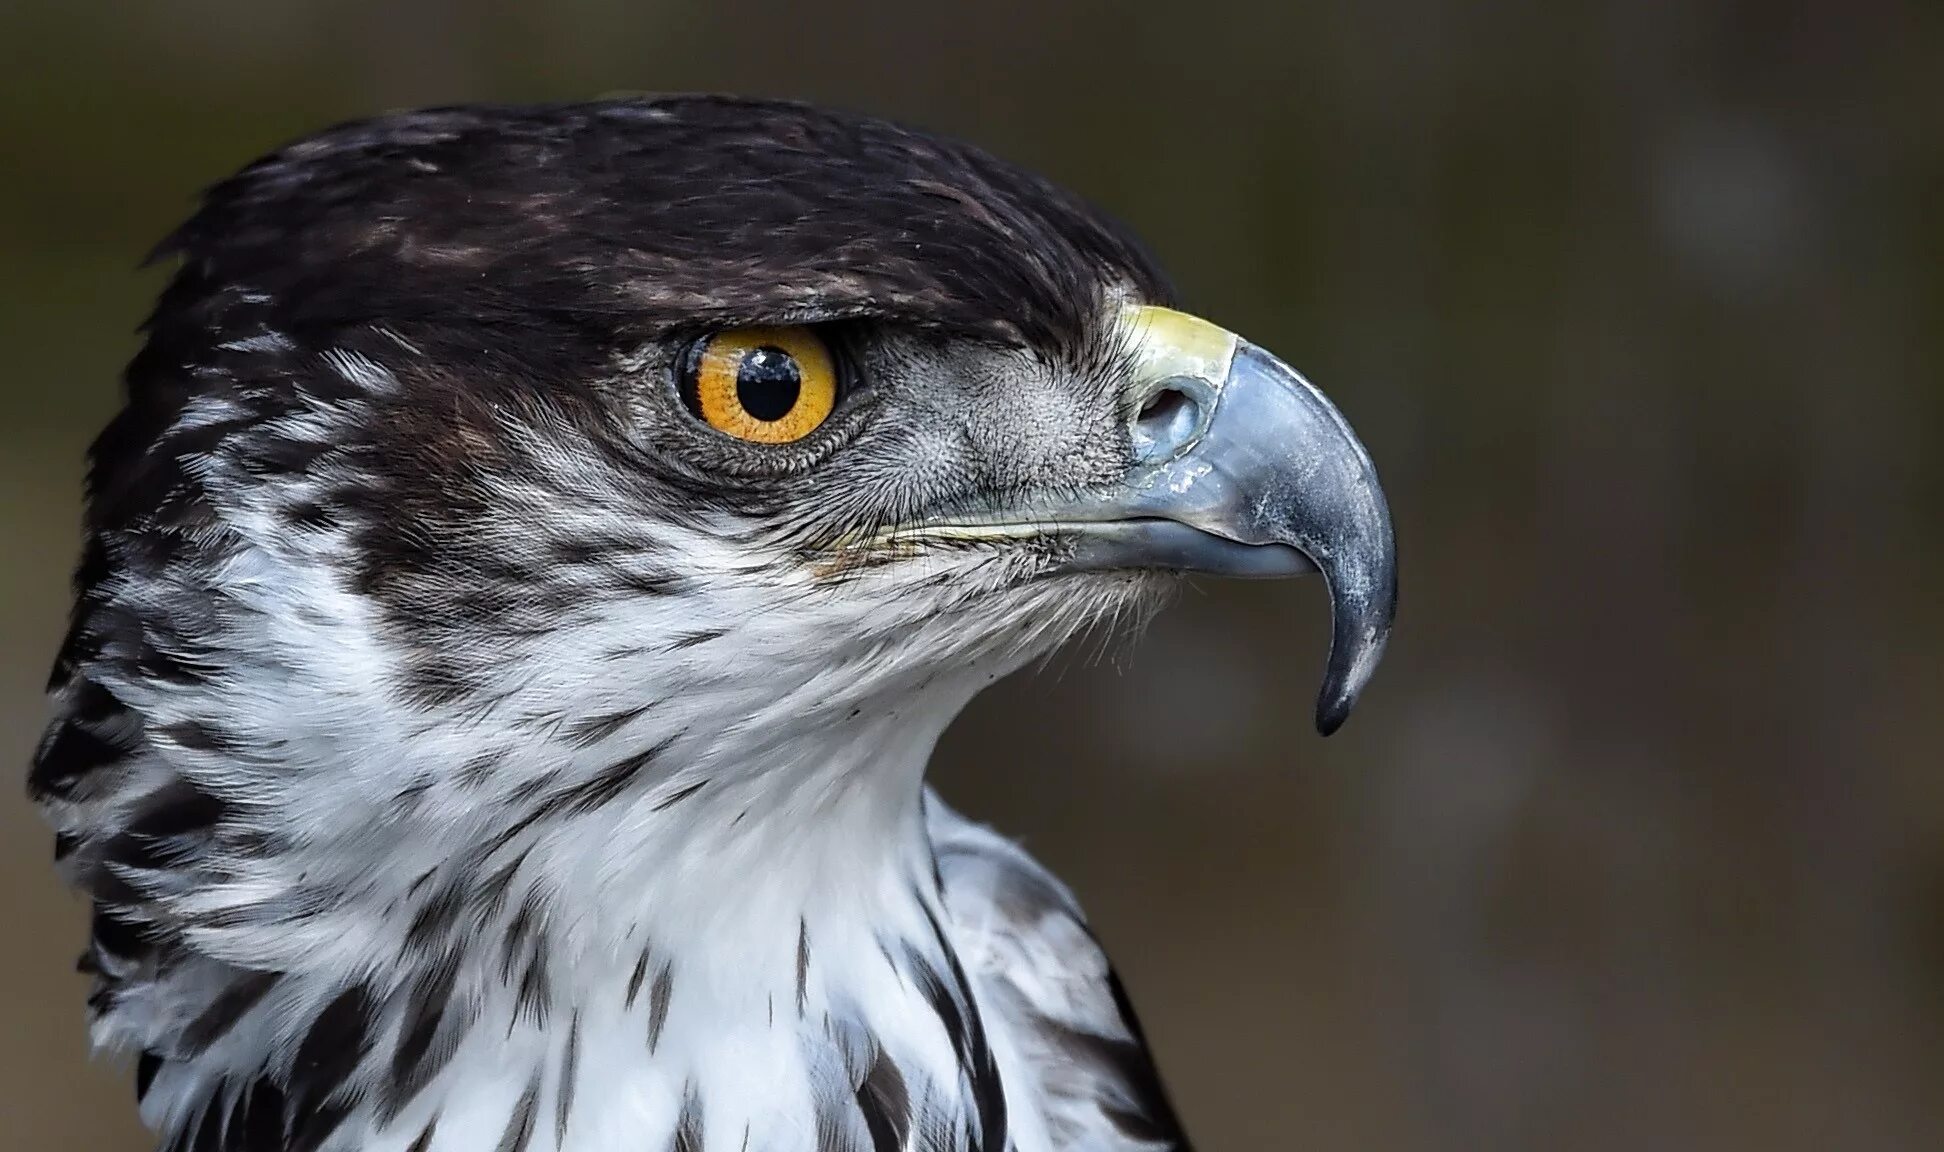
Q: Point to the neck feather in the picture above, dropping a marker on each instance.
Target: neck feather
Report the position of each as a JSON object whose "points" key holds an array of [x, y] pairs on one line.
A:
{"points": [[744, 949]]}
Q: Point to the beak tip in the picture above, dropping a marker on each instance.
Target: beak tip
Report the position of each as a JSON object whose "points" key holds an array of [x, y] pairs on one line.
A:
{"points": [[1354, 653], [1331, 711]]}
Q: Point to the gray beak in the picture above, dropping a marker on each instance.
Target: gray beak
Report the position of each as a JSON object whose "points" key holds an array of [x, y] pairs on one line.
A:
{"points": [[1245, 469]]}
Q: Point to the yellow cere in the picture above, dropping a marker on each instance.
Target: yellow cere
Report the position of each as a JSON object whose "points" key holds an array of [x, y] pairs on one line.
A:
{"points": [[767, 385], [1168, 344]]}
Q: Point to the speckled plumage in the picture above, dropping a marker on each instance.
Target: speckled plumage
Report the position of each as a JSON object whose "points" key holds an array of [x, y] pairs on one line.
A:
{"points": [[464, 750]]}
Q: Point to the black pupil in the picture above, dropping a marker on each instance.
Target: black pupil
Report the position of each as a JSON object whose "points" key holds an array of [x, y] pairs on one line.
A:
{"points": [[767, 383]]}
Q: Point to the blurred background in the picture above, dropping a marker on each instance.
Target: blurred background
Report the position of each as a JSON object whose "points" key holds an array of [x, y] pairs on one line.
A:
{"points": [[1638, 839]]}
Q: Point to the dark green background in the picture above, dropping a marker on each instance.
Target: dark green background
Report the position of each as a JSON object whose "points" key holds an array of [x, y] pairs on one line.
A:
{"points": [[1637, 841]]}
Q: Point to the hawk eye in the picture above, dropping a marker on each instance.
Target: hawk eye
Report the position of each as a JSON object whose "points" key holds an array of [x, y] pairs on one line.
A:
{"points": [[765, 385]]}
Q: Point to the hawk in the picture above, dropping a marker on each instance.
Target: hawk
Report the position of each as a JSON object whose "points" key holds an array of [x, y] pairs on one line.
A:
{"points": [[521, 592]]}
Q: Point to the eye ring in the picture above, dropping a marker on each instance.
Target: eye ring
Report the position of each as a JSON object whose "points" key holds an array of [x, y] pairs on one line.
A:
{"points": [[761, 384]]}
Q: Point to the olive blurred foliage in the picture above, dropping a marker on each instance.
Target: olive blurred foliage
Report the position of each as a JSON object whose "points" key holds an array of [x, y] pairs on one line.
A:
{"points": [[1638, 840]]}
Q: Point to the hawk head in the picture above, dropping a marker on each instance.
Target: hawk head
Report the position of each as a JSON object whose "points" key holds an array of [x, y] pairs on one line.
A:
{"points": [[538, 536]]}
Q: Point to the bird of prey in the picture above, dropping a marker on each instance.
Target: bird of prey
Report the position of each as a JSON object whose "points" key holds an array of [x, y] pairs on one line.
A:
{"points": [[538, 552]]}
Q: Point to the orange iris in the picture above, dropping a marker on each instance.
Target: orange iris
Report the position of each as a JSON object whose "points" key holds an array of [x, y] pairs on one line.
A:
{"points": [[762, 384]]}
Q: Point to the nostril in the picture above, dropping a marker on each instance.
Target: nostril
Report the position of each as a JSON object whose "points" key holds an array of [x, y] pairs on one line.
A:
{"points": [[1167, 421], [1163, 405]]}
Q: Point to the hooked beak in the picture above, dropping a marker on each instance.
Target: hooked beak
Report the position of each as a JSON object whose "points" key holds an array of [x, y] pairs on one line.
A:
{"points": [[1242, 468]]}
